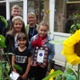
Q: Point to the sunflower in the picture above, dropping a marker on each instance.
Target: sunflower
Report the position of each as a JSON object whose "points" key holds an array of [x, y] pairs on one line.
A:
{"points": [[71, 48]]}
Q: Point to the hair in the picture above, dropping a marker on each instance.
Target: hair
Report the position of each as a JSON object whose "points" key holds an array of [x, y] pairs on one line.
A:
{"points": [[16, 7], [17, 18], [23, 36], [33, 14], [43, 24], [11, 30]]}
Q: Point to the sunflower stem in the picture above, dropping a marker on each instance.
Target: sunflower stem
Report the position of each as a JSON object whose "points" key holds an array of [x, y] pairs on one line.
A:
{"points": [[78, 72]]}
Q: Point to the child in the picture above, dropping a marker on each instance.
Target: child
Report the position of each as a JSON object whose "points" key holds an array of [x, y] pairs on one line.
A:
{"points": [[16, 27], [11, 36], [15, 11], [22, 56], [41, 40]]}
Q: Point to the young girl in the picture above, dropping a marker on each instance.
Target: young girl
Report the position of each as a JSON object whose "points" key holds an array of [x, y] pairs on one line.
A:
{"points": [[43, 52], [11, 36], [17, 26], [22, 56]]}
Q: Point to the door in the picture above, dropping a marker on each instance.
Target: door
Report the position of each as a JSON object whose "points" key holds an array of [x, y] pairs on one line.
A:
{"points": [[3, 8]]}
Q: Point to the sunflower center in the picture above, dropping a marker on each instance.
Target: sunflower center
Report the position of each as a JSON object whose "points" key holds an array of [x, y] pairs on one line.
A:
{"points": [[77, 48]]}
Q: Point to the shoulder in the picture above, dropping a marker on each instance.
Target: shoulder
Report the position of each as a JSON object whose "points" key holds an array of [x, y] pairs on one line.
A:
{"points": [[37, 25], [29, 52], [48, 37], [9, 35], [27, 26], [34, 37]]}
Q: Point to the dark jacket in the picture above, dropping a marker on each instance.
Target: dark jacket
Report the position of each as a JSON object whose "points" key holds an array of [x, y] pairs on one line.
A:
{"points": [[10, 43]]}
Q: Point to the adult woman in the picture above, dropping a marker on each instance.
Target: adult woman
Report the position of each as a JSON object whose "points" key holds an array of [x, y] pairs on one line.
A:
{"points": [[32, 26]]}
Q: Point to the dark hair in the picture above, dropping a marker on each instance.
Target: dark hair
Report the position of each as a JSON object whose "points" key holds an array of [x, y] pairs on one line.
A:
{"points": [[23, 36]]}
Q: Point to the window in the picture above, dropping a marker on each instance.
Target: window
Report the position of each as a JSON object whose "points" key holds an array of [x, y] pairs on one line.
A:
{"points": [[64, 11], [59, 15], [36, 6], [3, 9], [71, 9]]}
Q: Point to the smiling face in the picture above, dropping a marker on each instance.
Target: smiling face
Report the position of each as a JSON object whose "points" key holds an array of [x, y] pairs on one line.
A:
{"points": [[22, 39], [22, 42], [18, 26], [15, 12], [31, 19], [43, 31]]}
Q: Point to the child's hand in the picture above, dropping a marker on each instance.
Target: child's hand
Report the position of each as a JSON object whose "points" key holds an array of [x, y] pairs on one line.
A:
{"points": [[24, 76], [42, 66], [34, 64], [14, 70]]}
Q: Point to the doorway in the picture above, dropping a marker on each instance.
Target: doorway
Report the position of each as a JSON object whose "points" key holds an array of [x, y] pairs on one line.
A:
{"points": [[3, 9]]}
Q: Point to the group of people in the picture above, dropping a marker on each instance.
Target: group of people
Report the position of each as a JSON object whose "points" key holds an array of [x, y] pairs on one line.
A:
{"points": [[28, 45]]}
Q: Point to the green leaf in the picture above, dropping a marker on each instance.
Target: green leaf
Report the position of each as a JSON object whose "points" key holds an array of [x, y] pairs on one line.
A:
{"points": [[59, 77], [4, 20], [7, 66], [58, 72], [2, 41], [17, 67], [69, 76], [70, 70], [78, 25]]}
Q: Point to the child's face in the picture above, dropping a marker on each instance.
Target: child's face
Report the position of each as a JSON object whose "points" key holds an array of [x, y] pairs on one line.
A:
{"points": [[43, 31], [18, 26], [22, 42], [31, 19], [15, 12]]}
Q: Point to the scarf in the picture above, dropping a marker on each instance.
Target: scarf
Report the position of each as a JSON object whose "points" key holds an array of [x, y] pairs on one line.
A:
{"points": [[39, 41]]}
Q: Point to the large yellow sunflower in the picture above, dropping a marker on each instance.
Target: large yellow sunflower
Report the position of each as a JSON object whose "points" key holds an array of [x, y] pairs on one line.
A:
{"points": [[71, 48]]}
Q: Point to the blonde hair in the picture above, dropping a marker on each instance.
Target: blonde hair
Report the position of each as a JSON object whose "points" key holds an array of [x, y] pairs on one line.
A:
{"points": [[16, 7], [17, 18], [11, 30], [32, 14], [43, 24]]}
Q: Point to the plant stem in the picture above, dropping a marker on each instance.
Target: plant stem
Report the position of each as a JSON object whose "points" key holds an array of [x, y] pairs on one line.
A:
{"points": [[78, 72]]}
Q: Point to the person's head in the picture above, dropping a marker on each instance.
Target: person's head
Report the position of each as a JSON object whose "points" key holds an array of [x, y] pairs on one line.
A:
{"points": [[17, 25], [31, 18], [15, 11], [43, 29], [22, 39]]}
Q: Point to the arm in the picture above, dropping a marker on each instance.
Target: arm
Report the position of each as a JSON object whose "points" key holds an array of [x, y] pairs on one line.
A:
{"points": [[51, 53], [13, 63], [27, 68]]}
